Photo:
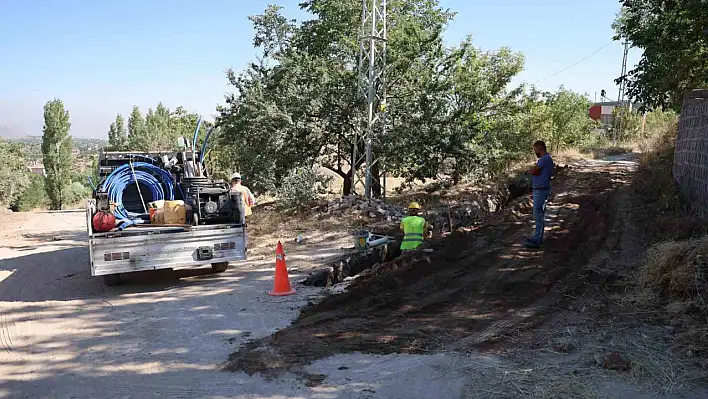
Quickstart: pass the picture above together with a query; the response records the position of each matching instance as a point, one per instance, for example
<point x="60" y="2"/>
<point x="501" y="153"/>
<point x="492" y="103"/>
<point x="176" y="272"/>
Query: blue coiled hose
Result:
<point x="157" y="180"/>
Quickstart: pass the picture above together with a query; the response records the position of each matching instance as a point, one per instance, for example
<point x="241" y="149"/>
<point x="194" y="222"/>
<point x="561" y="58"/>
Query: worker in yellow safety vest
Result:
<point x="414" y="228"/>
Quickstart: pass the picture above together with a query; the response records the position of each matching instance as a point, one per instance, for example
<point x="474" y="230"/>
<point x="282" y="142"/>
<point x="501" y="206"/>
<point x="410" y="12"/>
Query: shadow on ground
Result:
<point x="64" y="334"/>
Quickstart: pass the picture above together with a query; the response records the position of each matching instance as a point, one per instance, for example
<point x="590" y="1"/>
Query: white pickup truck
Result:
<point x="152" y="248"/>
<point x="212" y="239"/>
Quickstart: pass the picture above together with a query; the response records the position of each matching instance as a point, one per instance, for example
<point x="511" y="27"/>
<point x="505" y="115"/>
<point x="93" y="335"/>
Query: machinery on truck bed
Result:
<point x="160" y="210"/>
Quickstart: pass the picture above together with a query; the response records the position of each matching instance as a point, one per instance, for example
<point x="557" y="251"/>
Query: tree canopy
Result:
<point x="448" y="107"/>
<point x="673" y="35"/>
<point x="14" y="176"/>
<point x="117" y="135"/>
<point x="56" y="151"/>
<point x="158" y="130"/>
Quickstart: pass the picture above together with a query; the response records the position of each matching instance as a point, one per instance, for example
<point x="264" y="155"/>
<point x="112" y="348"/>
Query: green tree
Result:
<point x="302" y="103"/>
<point x="571" y="123"/>
<point x="626" y="124"/>
<point x="659" y="121"/>
<point x="157" y="124"/>
<point x="117" y="136"/>
<point x="182" y="124"/>
<point x="56" y="150"/>
<point x="138" y="139"/>
<point x="674" y="39"/>
<point x="34" y="196"/>
<point x="161" y="129"/>
<point x="14" y="175"/>
<point x="449" y="119"/>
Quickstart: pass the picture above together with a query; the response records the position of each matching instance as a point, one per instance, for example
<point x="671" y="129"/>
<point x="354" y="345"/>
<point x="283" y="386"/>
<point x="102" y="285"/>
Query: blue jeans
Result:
<point x="540" y="197"/>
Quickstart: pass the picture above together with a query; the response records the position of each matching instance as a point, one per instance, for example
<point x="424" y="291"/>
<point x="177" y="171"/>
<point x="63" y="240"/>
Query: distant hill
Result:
<point x="9" y="132"/>
<point x="86" y="146"/>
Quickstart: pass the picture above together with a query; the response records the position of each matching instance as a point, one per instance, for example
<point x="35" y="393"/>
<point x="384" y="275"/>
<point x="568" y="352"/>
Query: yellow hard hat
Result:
<point x="414" y="205"/>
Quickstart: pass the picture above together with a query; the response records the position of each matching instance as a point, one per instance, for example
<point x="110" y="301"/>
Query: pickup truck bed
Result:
<point x="154" y="247"/>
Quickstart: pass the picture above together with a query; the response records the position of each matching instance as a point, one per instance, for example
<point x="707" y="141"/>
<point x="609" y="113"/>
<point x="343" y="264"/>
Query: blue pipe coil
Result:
<point x="157" y="180"/>
<point x="127" y="223"/>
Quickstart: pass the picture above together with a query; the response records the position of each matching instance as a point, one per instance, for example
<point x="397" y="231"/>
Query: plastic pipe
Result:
<point x="196" y="132"/>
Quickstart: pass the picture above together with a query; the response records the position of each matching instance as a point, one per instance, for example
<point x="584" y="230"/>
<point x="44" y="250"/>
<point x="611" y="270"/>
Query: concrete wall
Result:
<point x="691" y="159"/>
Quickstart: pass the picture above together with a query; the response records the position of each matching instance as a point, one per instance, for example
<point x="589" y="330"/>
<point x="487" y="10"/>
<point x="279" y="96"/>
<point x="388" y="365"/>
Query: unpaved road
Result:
<point x="63" y="334"/>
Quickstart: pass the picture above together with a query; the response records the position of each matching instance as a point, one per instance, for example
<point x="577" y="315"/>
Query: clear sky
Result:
<point x="101" y="57"/>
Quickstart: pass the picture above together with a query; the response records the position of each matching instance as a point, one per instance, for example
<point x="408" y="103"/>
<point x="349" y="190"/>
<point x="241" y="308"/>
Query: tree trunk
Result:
<point x="456" y="176"/>
<point x="376" y="181"/>
<point x="346" y="177"/>
<point x="347" y="186"/>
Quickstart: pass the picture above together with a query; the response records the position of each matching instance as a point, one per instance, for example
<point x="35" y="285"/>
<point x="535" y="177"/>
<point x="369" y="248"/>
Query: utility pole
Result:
<point x="372" y="66"/>
<point x="620" y="95"/>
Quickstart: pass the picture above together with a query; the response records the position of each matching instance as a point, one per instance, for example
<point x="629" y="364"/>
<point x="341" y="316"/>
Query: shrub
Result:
<point x="675" y="271"/>
<point x="75" y="192"/>
<point x="299" y="187"/>
<point x="34" y="196"/>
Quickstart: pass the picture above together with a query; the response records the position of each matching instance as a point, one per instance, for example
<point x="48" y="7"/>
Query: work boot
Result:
<point x="530" y="243"/>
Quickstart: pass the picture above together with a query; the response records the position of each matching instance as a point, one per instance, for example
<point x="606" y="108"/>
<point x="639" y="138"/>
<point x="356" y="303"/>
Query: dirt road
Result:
<point x="63" y="334"/>
<point x="482" y="292"/>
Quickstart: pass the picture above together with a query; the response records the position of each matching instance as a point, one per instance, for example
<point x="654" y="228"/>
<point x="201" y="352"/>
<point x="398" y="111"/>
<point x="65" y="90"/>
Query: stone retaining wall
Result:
<point x="690" y="168"/>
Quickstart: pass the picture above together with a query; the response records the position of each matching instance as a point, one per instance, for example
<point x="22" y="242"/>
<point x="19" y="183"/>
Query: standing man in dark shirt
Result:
<point x="541" y="176"/>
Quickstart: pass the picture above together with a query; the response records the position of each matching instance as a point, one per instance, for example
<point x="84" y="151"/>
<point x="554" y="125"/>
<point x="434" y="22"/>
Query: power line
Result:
<point x="576" y="63"/>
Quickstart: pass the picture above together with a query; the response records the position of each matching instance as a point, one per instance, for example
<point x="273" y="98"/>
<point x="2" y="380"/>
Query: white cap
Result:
<point x="236" y="175"/>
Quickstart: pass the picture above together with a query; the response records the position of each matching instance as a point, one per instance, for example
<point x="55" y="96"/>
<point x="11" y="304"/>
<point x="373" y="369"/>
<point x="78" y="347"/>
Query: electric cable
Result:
<point x="157" y="180"/>
<point x="576" y="63"/>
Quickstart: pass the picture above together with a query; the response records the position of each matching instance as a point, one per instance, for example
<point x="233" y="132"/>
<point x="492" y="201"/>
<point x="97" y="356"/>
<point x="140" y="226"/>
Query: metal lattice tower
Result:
<point x="620" y="95"/>
<point x="372" y="66"/>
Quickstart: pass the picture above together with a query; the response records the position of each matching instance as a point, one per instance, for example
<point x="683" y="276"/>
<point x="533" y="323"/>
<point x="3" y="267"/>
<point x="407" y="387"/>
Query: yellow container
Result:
<point x="360" y="239"/>
<point x="175" y="212"/>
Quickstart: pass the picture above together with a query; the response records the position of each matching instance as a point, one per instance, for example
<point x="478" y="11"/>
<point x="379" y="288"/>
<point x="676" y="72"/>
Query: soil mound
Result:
<point x="474" y="288"/>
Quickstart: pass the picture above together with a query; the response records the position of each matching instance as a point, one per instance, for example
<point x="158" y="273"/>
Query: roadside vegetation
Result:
<point x="674" y="275"/>
<point x="452" y="113"/>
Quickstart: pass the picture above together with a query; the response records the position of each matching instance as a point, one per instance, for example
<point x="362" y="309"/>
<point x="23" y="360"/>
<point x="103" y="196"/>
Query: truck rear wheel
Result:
<point x="111" y="279"/>
<point x="220" y="267"/>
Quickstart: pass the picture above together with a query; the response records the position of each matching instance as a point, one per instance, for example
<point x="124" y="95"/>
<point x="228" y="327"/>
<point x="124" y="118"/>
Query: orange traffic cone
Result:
<point x="281" y="286"/>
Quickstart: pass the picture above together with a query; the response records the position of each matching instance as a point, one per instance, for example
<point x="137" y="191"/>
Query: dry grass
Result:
<point x="266" y="222"/>
<point x="573" y="154"/>
<point x="620" y="149"/>
<point x="655" y="367"/>
<point x="674" y="276"/>
<point x="529" y="376"/>
<point x="544" y="373"/>
<point x="679" y="269"/>
<point x="678" y="272"/>
<point x="655" y="186"/>
<point x="569" y="155"/>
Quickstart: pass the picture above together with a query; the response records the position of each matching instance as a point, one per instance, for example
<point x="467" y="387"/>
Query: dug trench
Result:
<point x="475" y="289"/>
<point x="468" y="214"/>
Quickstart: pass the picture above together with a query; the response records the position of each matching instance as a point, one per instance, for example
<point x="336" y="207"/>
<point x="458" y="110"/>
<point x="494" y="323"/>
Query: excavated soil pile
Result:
<point x="474" y="289"/>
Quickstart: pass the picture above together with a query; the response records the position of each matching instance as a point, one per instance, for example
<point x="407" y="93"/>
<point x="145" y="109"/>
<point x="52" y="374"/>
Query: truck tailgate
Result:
<point x="165" y="249"/>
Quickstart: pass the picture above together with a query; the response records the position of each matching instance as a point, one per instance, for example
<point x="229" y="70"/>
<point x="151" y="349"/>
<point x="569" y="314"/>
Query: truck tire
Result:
<point x="220" y="267"/>
<point x="111" y="279"/>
